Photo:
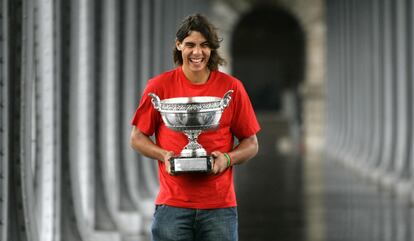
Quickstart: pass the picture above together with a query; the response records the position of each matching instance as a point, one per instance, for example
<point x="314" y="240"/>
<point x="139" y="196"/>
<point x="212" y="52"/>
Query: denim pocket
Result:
<point x="157" y="208"/>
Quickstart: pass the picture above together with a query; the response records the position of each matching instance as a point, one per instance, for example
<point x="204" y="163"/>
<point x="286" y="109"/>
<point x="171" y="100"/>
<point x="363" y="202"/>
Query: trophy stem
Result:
<point x="193" y="148"/>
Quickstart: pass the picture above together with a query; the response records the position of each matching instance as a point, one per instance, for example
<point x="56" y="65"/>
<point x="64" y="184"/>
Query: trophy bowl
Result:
<point x="192" y="115"/>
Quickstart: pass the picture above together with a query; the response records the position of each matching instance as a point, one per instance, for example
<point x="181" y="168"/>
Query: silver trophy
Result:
<point x="191" y="115"/>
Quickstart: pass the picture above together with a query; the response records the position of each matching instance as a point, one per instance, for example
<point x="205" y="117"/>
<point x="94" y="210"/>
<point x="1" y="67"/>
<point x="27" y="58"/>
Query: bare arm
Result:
<point x="245" y="150"/>
<point x="145" y="146"/>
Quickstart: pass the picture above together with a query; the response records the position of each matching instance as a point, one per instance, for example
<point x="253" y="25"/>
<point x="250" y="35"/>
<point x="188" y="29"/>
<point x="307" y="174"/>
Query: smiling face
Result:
<point x="195" y="52"/>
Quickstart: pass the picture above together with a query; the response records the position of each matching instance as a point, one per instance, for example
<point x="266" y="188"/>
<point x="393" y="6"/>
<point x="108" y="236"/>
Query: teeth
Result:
<point x="196" y="60"/>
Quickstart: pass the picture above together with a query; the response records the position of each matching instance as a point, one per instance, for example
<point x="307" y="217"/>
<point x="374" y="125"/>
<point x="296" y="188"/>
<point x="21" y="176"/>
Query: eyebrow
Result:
<point x="191" y="42"/>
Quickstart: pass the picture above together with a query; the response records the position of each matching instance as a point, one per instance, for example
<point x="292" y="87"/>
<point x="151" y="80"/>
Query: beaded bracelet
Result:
<point x="228" y="159"/>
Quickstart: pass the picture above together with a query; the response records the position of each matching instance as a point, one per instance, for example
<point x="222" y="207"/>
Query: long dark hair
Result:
<point x="199" y="23"/>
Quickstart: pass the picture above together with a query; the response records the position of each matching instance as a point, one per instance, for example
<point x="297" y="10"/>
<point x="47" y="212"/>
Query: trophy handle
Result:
<point x="226" y="99"/>
<point x="156" y="102"/>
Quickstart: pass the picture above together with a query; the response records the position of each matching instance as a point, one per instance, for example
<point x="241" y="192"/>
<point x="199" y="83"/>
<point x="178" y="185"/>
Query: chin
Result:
<point x="198" y="68"/>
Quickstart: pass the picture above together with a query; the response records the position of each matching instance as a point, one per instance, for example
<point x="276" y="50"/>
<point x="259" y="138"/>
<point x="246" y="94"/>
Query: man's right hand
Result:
<point x="166" y="160"/>
<point x="145" y="146"/>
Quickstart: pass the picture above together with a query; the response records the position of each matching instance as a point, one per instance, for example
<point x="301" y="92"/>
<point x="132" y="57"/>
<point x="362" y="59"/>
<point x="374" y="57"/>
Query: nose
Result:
<point x="197" y="49"/>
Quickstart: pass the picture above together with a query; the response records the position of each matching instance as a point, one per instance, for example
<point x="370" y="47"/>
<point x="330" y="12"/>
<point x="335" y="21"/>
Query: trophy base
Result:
<point x="202" y="164"/>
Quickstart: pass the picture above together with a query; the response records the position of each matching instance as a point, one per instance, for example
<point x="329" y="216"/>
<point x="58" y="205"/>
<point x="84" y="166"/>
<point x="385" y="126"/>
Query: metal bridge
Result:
<point x="331" y="81"/>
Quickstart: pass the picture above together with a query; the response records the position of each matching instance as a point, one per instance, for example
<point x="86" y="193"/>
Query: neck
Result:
<point x="197" y="77"/>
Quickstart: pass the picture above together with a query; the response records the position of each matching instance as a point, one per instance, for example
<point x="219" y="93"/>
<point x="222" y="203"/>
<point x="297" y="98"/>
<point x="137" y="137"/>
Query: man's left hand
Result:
<point x="220" y="162"/>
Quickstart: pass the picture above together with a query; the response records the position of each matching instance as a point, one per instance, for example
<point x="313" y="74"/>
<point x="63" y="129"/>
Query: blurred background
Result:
<point x="331" y="82"/>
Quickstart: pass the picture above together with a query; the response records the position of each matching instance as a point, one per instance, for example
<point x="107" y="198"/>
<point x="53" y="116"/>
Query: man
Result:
<point x="196" y="206"/>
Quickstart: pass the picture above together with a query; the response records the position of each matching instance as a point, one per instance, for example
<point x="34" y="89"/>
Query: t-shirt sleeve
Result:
<point x="146" y="117"/>
<point x="244" y="122"/>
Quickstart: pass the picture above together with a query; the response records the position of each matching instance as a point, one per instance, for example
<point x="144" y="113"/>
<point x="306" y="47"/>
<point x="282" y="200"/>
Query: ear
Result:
<point x="178" y="45"/>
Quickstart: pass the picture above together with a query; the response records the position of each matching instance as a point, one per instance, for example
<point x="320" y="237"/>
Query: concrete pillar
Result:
<point x="401" y="173"/>
<point x="376" y="86"/>
<point x="369" y="90"/>
<point x="357" y="92"/>
<point x="365" y="69"/>
<point x="410" y="73"/>
<point x="348" y="79"/>
<point x="337" y="78"/>
<point x="90" y="211"/>
<point x="389" y="92"/>
<point x="131" y="88"/>
<point x="147" y="166"/>
<point x="4" y="124"/>
<point x="109" y="121"/>
<point x="48" y="123"/>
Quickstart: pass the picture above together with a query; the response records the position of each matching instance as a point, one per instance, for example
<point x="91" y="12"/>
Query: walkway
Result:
<point x="283" y="198"/>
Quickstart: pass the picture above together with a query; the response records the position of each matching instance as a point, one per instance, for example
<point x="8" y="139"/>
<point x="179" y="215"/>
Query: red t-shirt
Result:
<point x="202" y="191"/>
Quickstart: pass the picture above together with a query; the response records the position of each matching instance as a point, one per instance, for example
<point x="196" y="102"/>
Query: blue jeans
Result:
<point x="184" y="224"/>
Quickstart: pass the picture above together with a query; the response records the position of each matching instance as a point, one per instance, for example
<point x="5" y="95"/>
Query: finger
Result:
<point x="215" y="168"/>
<point x="169" y="155"/>
<point x="168" y="166"/>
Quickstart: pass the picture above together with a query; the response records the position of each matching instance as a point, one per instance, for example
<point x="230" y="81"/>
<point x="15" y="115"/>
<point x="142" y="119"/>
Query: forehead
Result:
<point x="194" y="36"/>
